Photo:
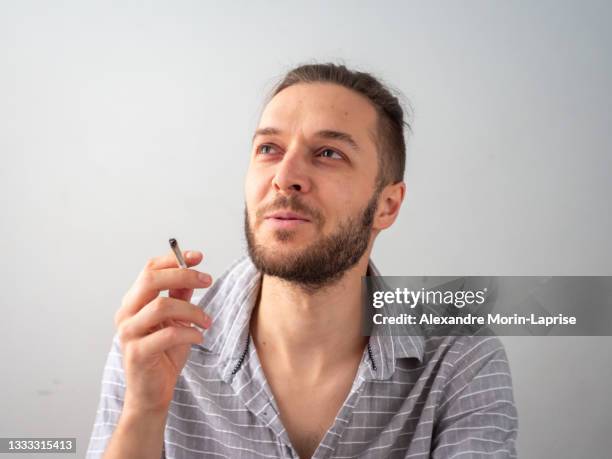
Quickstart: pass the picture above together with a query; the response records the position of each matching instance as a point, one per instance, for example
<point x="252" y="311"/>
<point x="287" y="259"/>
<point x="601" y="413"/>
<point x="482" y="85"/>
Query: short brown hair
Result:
<point x="390" y="126"/>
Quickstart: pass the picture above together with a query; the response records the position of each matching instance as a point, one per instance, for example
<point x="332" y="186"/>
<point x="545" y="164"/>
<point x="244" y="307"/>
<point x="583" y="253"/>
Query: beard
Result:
<point x="321" y="263"/>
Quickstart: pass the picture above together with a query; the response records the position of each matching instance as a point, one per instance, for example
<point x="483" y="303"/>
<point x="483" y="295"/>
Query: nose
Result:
<point x="291" y="174"/>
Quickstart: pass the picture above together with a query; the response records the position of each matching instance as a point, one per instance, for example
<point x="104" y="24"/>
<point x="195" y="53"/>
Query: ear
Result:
<point x="389" y="203"/>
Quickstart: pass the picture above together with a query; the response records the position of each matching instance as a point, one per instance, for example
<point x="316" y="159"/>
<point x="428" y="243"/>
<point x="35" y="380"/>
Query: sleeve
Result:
<point x="477" y="416"/>
<point x="110" y="404"/>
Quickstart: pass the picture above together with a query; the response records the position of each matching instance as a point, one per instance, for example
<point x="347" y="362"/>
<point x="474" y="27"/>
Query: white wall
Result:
<point x="121" y="126"/>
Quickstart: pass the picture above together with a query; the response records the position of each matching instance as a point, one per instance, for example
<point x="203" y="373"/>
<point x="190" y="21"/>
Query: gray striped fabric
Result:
<point x="413" y="396"/>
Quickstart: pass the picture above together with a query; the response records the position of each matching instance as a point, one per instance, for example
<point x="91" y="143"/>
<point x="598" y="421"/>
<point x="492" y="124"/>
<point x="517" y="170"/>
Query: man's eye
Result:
<point x="263" y="150"/>
<point x="333" y="151"/>
<point x="260" y="149"/>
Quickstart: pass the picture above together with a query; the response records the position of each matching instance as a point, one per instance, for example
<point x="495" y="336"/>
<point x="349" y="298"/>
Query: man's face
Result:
<point x="326" y="180"/>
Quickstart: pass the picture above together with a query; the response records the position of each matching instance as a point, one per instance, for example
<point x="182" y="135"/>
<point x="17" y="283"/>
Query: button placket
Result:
<point x="344" y="416"/>
<point x="257" y="396"/>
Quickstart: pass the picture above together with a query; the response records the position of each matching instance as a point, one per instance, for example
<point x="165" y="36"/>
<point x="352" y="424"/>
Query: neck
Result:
<point x="309" y="333"/>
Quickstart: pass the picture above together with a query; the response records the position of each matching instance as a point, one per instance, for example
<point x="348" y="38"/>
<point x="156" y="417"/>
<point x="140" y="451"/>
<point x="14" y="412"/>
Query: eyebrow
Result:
<point x="325" y="134"/>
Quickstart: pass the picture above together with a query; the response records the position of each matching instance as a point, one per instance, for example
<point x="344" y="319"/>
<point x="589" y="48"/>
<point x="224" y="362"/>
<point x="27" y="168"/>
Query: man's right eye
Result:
<point x="262" y="148"/>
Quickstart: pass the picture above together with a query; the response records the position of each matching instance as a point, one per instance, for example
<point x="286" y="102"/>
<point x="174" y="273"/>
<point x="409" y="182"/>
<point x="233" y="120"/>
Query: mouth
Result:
<point x="286" y="216"/>
<point x="285" y="220"/>
<point x="287" y="223"/>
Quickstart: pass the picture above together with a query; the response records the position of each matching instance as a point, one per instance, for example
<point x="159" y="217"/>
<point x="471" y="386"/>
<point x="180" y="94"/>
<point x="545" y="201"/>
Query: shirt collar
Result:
<point x="231" y="299"/>
<point x="387" y="347"/>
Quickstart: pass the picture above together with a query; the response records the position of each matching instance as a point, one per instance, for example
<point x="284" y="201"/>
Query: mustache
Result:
<point x="292" y="204"/>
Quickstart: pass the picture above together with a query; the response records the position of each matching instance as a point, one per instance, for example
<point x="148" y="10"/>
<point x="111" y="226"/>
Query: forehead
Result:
<point x="311" y="107"/>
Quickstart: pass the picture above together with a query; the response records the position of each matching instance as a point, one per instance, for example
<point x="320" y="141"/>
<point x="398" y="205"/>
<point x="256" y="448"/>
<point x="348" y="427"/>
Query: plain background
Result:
<point x="124" y="124"/>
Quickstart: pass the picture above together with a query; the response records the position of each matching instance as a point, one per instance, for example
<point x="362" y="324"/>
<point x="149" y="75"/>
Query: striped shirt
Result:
<point x="412" y="397"/>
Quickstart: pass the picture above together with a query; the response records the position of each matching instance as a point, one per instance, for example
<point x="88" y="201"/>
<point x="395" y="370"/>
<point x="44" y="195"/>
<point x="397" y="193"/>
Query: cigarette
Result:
<point x="181" y="262"/>
<point x="177" y="253"/>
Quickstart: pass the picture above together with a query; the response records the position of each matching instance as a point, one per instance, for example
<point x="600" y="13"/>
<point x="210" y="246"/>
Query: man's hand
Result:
<point x="155" y="332"/>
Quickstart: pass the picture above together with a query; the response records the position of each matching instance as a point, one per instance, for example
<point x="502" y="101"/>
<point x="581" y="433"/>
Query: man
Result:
<point x="283" y="369"/>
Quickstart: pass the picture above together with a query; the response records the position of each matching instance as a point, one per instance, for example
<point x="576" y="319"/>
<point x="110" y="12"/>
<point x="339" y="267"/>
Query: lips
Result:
<point x="284" y="215"/>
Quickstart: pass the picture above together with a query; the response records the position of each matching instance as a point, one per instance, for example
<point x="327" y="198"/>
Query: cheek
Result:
<point x="344" y="199"/>
<point x="252" y="188"/>
<point x="349" y="206"/>
<point x="255" y="190"/>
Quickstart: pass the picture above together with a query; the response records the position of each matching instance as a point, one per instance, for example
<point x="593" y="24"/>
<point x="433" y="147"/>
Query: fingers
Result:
<point x="172" y="278"/>
<point x="160" y="341"/>
<point x="159" y="275"/>
<point x="157" y="312"/>
<point x="192" y="258"/>
<point x="184" y="294"/>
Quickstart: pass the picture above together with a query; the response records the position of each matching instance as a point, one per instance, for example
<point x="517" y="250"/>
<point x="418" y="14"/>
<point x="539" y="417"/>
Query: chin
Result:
<point x="282" y="243"/>
<point x="281" y="238"/>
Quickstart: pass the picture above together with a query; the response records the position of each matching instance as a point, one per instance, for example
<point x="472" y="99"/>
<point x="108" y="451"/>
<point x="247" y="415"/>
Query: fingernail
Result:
<point x="205" y="278"/>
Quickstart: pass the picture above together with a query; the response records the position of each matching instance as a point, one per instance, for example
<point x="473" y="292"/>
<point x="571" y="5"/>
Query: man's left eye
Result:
<point x="332" y="151"/>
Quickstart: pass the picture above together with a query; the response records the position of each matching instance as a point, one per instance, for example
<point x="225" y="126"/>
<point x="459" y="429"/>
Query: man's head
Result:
<point x="329" y="148"/>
